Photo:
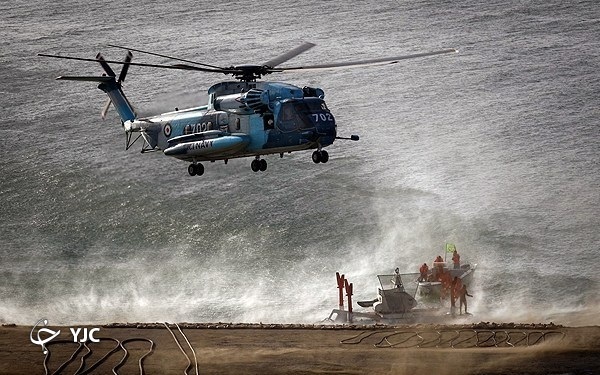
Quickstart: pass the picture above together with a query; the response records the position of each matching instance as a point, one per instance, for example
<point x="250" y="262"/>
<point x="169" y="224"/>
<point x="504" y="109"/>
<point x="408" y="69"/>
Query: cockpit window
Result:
<point x="297" y="114"/>
<point x="311" y="106"/>
<point x="287" y="112"/>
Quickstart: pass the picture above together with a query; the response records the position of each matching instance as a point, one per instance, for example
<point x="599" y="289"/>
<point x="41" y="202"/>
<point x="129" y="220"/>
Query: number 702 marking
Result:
<point x="322" y="117"/>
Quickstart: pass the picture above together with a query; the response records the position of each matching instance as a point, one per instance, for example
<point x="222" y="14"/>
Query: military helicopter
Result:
<point x="243" y="118"/>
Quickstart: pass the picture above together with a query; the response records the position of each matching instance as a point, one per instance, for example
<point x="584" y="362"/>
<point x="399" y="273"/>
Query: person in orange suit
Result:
<point x="456" y="260"/>
<point x="455" y="289"/>
<point x="438" y="264"/>
<point x="423" y="270"/>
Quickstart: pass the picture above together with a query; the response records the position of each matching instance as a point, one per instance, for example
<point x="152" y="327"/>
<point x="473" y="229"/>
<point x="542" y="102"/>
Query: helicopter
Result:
<point x="243" y="118"/>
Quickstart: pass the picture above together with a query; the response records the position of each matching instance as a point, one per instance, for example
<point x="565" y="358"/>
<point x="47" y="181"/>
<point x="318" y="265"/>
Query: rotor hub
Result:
<point x="249" y="73"/>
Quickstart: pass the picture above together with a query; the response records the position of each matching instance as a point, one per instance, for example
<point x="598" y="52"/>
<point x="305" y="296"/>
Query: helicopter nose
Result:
<point x="325" y="128"/>
<point x="325" y="124"/>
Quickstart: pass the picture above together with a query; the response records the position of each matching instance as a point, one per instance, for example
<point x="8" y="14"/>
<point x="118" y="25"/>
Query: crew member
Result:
<point x="453" y="295"/>
<point x="397" y="280"/>
<point x="438" y="264"/>
<point x="463" y="298"/>
<point x="424" y="270"/>
<point x="446" y="279"/>
<point x="455" y="289"/>
<point x="456" y="259"/>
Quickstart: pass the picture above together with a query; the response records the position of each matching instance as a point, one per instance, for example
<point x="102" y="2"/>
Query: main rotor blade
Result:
<point x="178" y="67"/>
<point x="127" y="61"/>
<point x="231" y="70"/>
<point x="105" y="66"/>
<point x="383" y="60"/>
<point x="104" y="78"/>
<point x="289" y="54"/>
<point x="164" y="56"/>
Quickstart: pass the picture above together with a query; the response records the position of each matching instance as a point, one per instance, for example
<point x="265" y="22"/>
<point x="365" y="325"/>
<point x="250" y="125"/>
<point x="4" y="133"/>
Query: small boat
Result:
<point x="392" y="298"/>
<point x="408" y="297"/>
<point x="395" y="304"/>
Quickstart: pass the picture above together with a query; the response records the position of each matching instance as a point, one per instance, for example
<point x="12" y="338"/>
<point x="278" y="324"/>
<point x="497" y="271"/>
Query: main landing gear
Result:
<point x="320" y="156"/>
<point x="258" y="165"/>
<point x="196" y="169"/>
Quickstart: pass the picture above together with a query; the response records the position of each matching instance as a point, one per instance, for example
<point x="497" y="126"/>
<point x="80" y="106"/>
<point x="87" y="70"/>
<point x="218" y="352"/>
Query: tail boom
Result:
<point x="122" y="105"/>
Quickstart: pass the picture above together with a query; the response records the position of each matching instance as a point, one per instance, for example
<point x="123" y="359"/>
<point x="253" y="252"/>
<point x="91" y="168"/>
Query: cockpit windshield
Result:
<point x="311" y="106"/>
<point x="290" y="109"/>
<point x="296" y="114"/>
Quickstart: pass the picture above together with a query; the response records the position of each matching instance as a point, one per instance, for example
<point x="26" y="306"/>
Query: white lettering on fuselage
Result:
<point x="322" y="117"/>
<point x="199" y="145"/>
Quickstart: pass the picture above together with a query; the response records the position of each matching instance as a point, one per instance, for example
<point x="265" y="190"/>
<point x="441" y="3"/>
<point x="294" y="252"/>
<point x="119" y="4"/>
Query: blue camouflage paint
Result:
<point x="206" y="147"/>
<point x="240" y="120"/>
<point x="118" y="99"/>
<point x="301" y="121"/>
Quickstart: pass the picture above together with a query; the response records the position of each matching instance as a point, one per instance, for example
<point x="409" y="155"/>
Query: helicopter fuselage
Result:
<point x="242" y="119"/>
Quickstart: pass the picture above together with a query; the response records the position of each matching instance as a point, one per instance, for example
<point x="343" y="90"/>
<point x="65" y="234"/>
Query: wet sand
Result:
<point x="299" y="349"/>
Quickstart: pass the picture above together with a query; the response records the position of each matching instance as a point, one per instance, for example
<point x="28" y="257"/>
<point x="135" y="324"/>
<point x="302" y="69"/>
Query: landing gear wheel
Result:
<point x="199" y="169"/>
<point x="255" y="165"/>
<point x="259" y="165"/>
<point x="196" y="169"/>
<point x="316" y="157"/>
<point x="324" y="156"/>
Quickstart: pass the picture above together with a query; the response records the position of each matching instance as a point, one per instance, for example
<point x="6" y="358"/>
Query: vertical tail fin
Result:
<point x="112" y="87"/>
<point x="118" y="99"/>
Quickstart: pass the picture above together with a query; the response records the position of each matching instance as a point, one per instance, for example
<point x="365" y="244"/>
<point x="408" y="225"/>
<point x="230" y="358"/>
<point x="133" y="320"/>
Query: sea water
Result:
<point x="495" y="149"/>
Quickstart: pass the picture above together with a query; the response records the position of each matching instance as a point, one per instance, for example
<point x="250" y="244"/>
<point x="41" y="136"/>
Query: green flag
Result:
<point x="450" y="248"/>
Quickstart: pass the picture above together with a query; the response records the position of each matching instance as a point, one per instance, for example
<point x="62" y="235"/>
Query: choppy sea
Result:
<point x="495" y="149"/>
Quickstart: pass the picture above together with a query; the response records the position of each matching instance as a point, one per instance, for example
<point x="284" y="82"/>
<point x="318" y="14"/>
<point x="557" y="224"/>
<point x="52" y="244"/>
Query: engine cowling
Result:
<point x="255" y="100"/>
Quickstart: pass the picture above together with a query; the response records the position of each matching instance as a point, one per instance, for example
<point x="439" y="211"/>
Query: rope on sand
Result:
<point x="191" y="348"/>
<point x="126" y="354"/>
<point x="82" y="370"/>
<point x="119" y="346"/>
<point x="185" y="372"/>
<point x="464" y="338"/>
<point x="66" y="363"/>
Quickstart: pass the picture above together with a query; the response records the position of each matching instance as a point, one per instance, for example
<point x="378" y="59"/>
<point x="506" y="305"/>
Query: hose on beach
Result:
<point x="82" y="370"/>
<point x="183" y="351"/>
<point x="120" y="345"/>
<point x="456" y="339"/>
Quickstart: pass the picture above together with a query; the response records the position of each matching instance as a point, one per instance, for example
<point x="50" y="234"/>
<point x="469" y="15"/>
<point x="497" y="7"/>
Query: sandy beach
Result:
<point x="484" y="348"/>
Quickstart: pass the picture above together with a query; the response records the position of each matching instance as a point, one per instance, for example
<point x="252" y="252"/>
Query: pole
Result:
<point x="445" y="252"/>
<point x="340" y="282"/>
<point x="349" y="287"/>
